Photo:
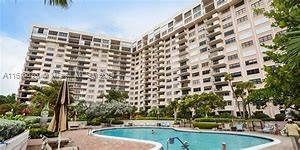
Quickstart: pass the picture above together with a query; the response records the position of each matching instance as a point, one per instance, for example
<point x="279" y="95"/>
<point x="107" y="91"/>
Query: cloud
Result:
<point x="12" y="58"/>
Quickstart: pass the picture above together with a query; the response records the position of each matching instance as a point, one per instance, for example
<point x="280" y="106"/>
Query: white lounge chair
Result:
<point x="239" y="127"/>
<point x="226" y="127"/>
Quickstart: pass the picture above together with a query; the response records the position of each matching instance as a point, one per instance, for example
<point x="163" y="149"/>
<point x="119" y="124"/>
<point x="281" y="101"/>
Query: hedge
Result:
<point x="117" y="122"/>
<point x="10" y="128"/>
<point x="222" y="120"/>
<point x="153" y="118"/>
<point x="35" y="133"/>
<point x="205" y="125"/>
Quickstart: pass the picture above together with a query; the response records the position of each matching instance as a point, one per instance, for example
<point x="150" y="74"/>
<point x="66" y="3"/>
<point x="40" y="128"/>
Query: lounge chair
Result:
<point x="226" y="127"/>
<point x="239" y="127"/>
<point x="268" y="129"/>
<point x="46" y="146"/>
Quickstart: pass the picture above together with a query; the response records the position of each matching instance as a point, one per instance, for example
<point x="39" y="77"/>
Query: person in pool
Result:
<point x="153" y="132"/>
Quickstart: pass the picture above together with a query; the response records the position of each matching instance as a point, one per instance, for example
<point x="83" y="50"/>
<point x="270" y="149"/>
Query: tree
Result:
<point x="207" y="102"/>
<point x="229" y="79"/>
<point x="115" y="95"/>
<point x="11" y="98"/>
<point x="9" y="103"/>
<point x="242" y="90"/>
<point x="283" y="79"/>
<point x="61" y="3"/>
<point x="174" y="106"/>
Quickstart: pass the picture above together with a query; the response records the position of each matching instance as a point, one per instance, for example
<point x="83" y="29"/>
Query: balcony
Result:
<point x="219" y="80"/>
<point x="218" y="63"/>
<point x="181" y="40"/>
<point x="217" y="55"/>
<point x="217" y="47"/>
<point x="218" y="72"/>
<point x="181" y="34"/>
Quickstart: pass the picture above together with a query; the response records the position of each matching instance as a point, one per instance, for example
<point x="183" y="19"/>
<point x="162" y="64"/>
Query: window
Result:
<point x="206" y="80"/>
<point x="235" y="65"/>
<point x="205" y="72"/>
<point x="195" y="67"/>
<point x="53" y="33"/>
<point x="49" y="54"/>
<point x="48" y="59"/>
<point x="219" y="2"/>
<point x="241" y="11"/>
<point x="266" y="58"/>
<point x="250" y="62"/>
<point x="257" y="4"/>
<point x="195" y="74"/>
<point x="242" y="19"/>
<point x="47" y="65"/>
<point x="63" y="34"/>
<point x="232" y="57"/>
<point x="196" y="82"/>
<point x="41" y="30"/>
<point x="202" y="43"/>
<point x="202" y="50"/>
<point x="228" y="33"/>
<point x="256" y="81"/>
<point x="226" y="18"/>
<point x="97" y="40"/>
<point x="204" y="64"/>
<point x="201" y="36"/>
<point x="227" y="25"/>
<point x="197" y="89"/>
<point x="229" y="41"/>
<point x="236" y="74"/>
<point x="247" y="44"/>
<point x="252" y="71"/>
<point x="265" y="38"/>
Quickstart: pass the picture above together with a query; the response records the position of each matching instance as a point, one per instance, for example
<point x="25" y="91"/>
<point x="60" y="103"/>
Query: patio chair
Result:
<point x="268" y="129"/>
<point x="226" y="127"/>
<point x="46" y="145"/>
<point x="239" y="127"/>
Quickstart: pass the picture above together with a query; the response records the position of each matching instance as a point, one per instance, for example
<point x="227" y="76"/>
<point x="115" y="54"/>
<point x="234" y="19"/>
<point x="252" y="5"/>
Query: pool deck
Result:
<point x="85" y="141"/>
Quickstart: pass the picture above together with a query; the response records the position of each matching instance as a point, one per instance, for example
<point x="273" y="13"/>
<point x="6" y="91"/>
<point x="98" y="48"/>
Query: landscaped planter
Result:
<point x="18" y="142"/>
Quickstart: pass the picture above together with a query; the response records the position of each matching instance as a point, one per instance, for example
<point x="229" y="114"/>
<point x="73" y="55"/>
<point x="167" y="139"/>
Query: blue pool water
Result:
<point x="196" y="140"/>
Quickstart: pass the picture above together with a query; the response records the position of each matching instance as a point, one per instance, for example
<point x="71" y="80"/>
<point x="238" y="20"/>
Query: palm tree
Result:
<point x="229" y="79"/>
<point x="174" y="105"/>
<point x="242" y="90"/>
<point x="61" y="3"/>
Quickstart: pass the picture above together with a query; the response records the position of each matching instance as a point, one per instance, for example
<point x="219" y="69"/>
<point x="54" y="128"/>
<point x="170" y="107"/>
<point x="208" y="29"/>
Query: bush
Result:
<point x="94" y="122"/>
<point x="117" y="122"/>
<point x="205" y="125"/>
<point x="153" y="118"/>
<point x="35" y="133"/>
<point x="223" y="115"/>
<point x="10" y="128"/>
<point x="222" y="120"/>
<point x="260" y="115"/>
<point x="279" y="117"/>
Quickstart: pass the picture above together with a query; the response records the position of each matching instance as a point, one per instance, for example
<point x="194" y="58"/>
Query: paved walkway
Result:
<point x="87" y="142"/>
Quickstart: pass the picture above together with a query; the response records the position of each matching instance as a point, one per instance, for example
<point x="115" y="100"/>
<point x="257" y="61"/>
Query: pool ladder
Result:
<point x="185" y="144"/>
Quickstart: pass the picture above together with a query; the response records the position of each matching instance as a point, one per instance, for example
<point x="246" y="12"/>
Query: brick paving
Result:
<point x="88" y="142"/>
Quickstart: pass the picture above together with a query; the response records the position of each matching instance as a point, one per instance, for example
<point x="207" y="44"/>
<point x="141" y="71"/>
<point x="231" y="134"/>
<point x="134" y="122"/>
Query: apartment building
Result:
<point x="189" y="53"/>
<point x="92" y="64"/>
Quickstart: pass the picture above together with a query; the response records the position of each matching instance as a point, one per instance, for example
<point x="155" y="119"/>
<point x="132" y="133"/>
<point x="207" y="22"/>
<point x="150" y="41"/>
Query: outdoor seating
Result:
<point x="268" y="129"/>
<point x="226" y="127"/>
<point x="51" y="143"/>
<point x="239" y="127"/>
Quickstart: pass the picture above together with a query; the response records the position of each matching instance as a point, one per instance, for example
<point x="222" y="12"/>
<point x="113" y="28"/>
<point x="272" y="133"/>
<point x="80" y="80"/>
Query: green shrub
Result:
<point x="10" y="128"/>
<point x="153" y="118"/>
<point x="280" y="117"/>
<point x="222" y="120"/>
<point x="223" y="115"/>
<point x="117" y="122"/>
<point x="35" y="133"/>
<point x="260" y="115"/>
<point x="205" y="125"/>
<point x="94" y="122"/>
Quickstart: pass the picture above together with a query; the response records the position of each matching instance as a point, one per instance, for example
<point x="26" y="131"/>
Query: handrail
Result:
<point x="185" y="144"/>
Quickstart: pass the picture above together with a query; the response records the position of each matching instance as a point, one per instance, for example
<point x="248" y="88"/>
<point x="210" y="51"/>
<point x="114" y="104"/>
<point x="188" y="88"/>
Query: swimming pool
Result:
<point x="196" y="140"/>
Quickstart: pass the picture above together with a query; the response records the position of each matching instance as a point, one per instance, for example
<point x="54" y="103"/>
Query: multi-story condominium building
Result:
<point x="191" y="53"/>
<point x="188" y="54"/>
<point x="93" y="64"/>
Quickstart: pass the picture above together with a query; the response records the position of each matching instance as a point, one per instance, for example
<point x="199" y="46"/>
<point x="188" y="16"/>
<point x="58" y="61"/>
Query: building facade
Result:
<point x="188" y="54"/>
<point x="92" y="64"/>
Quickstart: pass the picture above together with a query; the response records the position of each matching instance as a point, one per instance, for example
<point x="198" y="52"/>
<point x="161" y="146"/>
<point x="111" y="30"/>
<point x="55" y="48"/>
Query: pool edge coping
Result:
<point x="158" y="146"/>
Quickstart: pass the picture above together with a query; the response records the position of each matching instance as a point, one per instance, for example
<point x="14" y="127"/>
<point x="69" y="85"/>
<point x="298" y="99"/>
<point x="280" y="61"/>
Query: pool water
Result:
<point x="196" y="140"/>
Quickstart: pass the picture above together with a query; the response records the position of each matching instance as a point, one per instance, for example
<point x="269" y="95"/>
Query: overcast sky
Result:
<point x="122" y="18"/>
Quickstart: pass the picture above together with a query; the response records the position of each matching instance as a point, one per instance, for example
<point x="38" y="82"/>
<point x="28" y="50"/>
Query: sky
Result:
<point x="121" y="18"/>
